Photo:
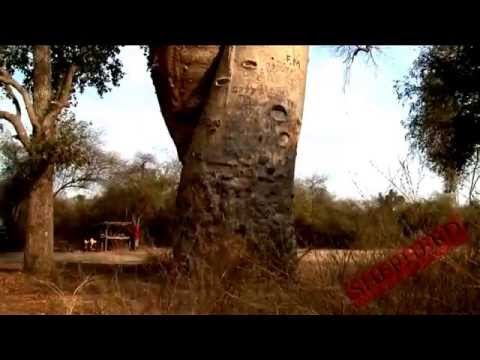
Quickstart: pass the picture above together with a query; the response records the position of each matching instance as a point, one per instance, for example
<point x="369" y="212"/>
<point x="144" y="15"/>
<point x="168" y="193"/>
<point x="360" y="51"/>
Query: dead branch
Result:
<point x="350" y="52"/>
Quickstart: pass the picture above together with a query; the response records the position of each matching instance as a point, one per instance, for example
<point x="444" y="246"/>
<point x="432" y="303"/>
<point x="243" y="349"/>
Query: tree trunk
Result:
<point x="38" y="255"/>
<point x="39" y="234"/>
<point x="234" y="113"/>
<point x="451" y="186"/>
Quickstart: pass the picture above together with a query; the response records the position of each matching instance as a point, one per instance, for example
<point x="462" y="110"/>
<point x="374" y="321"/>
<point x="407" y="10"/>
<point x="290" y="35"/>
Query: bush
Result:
<point x="384" y="221"/>
<point x="141" y="188"/>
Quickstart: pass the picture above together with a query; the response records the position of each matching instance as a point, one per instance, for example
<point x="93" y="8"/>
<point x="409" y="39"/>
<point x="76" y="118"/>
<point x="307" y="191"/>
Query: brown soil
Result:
<point x="85" y="288"/>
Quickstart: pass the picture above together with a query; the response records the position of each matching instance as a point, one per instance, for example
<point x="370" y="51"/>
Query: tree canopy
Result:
<point x="98" y="66"/>
<point x="76" y="152"/>
<point x="443" y="94"/>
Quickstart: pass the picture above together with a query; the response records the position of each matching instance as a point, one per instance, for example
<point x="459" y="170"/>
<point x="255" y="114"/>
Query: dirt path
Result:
<point x="14" y="260"/>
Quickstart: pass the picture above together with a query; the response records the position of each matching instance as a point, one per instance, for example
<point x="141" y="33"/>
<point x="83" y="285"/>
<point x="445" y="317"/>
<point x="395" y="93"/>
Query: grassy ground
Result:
<point x="450" y="286"/>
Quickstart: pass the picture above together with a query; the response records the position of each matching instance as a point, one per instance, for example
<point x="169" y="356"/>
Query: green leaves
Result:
<point x="99" y="66"/>
<point x="16" y="58"/>
<point x="443" y="93"/>
<point x="68" y="144"/>
<point x="74" y="145"/>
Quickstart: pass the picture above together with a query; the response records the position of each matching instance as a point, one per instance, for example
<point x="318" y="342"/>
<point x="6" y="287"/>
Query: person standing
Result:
<point x="136" y="236"/>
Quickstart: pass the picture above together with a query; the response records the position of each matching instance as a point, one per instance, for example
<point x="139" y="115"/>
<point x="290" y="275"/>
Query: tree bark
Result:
<point x="38" y="254"/>
<point x="451" y="186"/>
<point x="39" y="229"/>
<point x="234" y="113"/>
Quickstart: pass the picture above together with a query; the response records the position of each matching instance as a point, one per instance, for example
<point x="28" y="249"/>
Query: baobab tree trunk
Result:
<point x="38" y="254"/>
<point x="234" y="113"/>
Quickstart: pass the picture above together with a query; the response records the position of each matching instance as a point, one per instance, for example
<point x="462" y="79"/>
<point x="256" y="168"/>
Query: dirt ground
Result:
<point x="24" y="294"/>
<point x="113" y="293"/>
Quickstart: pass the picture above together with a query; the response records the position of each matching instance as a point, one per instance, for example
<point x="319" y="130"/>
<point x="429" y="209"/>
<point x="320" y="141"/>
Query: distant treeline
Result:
<point x="147" y="188"/>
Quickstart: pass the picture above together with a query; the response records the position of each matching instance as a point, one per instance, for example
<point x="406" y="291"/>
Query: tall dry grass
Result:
<point x="449" y="286"/>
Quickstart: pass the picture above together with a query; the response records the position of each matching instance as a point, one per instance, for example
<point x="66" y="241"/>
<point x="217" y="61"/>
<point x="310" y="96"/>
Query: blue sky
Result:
<point x="343" y="131"/>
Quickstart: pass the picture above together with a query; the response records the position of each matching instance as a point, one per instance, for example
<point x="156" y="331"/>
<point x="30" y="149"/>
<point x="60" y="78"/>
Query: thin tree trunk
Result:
<point x="474" y="177"/>
<point x="235" y="116"/>
<point x="38" y="255"/>
<point x="451" y="187"/>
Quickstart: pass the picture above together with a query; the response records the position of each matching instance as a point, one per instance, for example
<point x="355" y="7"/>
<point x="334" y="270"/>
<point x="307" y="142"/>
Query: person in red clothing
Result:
<point x="136" y="236"/>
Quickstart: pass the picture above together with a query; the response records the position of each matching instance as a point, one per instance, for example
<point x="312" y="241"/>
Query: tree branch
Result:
<point x="62" y="97"/>
<point x="79" y="183"/>
<point x="19" y="128"/>
<point x="475" y="177"/>
<point x="14" y="99"/>
<point x="64" y="186"/>
<point x="7" y="79"/>
<point x="349" y="53"/>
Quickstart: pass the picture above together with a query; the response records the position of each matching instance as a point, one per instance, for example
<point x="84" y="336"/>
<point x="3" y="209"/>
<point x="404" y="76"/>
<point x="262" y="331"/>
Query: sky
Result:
<point x="353" y="135"/>
<point x="349" y="135"/>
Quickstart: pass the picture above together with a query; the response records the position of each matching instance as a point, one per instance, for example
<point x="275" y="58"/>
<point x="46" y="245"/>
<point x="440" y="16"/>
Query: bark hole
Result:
<point x="284" y="139"/>
<point x="249" y="64"/>
<point x="222" y="81"/>
<point x="279" y="113"/>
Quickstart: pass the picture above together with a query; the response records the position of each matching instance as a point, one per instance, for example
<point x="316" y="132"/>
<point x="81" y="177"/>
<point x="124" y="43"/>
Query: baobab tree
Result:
<point x="51" y="77"/>
<point x="234" y="114"/>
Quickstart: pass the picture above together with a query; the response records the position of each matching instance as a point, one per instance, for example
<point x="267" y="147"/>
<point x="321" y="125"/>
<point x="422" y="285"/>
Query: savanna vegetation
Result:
<point x="90" y="185"/>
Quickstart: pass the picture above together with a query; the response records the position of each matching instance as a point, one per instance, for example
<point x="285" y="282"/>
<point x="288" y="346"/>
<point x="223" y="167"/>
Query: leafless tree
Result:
<point x="404" y="181"/>
<point x="96" y="170"/>
<point x="350" y="52"/>
<point x="471" y="180"/>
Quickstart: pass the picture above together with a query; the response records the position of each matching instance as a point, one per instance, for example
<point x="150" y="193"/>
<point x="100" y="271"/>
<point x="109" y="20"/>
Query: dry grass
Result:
<point x="450" y="286"/>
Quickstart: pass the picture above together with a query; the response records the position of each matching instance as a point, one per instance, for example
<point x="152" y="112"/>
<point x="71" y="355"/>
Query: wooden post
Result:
<point x="106" y="238"/>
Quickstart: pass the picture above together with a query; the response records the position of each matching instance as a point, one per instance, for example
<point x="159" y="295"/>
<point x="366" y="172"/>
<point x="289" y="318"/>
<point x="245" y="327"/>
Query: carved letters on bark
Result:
<point x="237" y="139"/>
